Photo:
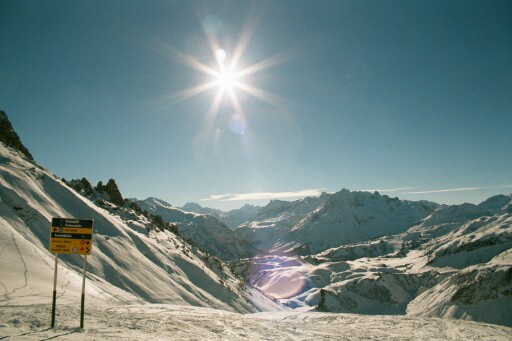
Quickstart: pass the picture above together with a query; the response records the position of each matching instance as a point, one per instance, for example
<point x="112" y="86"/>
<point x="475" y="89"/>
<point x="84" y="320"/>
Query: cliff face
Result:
<point x="9" y="136"/>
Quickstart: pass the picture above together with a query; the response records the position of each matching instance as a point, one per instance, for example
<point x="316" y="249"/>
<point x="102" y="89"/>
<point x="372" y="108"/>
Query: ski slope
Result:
<point x="175" y="322"/>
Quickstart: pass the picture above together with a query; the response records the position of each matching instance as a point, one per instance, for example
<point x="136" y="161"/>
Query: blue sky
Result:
<point x="411" y="98"/>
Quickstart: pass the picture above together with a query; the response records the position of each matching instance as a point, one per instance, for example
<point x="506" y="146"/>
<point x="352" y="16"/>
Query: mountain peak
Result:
<point x="196" y="208"/>
<point x="9" y="136"/>
<point x="157" y="201"/>
<point x="191" y="206"/>
<point x="497" y="202"/>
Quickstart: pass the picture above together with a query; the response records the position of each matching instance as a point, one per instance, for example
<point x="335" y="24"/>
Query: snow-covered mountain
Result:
<point x="368" y="254"/>
<point x="312" y="225"/>
<point x="231" y="219"/>
<point x="480" y="292"/>
<point x="455" y="262"/>
<point x="237" y="217"/>
<point x="365" y="253"/>
<point x="133" y="259"/>
<point x="196" y="208"/>
<point x="203" y="230"/>
<point x="275" y="220"/>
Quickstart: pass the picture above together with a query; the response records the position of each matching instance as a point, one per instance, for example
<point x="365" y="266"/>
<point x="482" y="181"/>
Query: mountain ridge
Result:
<point x="431" y="260"/>
<point x="128" y="248"/>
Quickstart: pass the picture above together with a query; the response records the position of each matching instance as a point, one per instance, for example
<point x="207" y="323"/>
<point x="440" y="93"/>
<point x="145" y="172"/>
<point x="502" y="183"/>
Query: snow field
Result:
<point x="173" y="322"/>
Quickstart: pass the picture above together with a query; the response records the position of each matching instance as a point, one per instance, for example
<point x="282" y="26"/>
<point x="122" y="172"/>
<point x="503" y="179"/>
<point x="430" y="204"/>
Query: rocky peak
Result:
<point x="81" y="186"/>
<point x="113" y="192"/>
<point x="9" y="136"/>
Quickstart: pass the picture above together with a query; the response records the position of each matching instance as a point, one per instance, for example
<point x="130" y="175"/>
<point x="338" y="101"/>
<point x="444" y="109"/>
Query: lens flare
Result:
<point x="237" y="124"/>
<point x="220" y="54"/>
<point x="278" y="276"/>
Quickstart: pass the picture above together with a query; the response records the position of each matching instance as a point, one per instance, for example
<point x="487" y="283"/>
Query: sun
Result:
<point x="226" y="76"/>
<point x="227" y="79"/>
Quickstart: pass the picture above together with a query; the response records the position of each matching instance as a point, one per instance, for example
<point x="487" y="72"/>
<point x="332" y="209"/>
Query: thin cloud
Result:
<point x="400" y="189"/>
<point x="264" y="195"/>
<point x="217" y="197"/>
<point x="460" y="189"/>
<point x="318" y="191"/>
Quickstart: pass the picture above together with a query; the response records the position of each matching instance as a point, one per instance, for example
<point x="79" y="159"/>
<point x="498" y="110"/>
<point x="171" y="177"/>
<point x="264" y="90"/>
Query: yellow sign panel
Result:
<point x="71" y="236"/>
<point x="74" y="230"/>
<point x="70" y="246"/>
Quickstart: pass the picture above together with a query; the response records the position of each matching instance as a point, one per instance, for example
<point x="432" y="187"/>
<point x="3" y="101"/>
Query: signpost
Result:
<point x="70" y="236"/>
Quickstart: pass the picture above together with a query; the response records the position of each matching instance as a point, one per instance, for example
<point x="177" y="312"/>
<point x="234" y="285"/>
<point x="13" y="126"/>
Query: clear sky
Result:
<point x="411" y="98"/>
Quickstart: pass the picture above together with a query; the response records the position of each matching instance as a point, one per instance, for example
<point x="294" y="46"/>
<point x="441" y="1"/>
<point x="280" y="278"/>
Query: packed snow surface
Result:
<point x="174" y="322"/>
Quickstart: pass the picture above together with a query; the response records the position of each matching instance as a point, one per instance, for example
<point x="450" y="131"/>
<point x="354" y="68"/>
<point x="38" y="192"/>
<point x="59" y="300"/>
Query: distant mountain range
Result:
<point x="352" y="252"/>
<point x="202" y="230"/>
<point x="367" y="253"/>
<point x="231" y="219"/>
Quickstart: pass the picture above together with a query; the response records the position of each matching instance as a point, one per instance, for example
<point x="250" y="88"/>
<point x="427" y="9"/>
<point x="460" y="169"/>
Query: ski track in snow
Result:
<point x="6" y="290"/>
<point x="64" y="286"/>
<point x="172" y="322"/>
<point x="25" y="270"/>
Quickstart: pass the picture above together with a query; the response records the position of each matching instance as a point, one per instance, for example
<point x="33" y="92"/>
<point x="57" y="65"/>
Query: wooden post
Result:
<point x="83" y="294"/>
<point x="54" y="289"/>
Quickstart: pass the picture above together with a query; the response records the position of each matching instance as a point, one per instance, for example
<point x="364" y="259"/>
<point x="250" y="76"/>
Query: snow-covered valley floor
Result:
<point x="173" y="322"/>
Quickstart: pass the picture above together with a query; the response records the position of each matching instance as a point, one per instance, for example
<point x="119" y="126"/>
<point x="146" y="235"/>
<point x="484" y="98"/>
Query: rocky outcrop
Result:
<point x="113" y="192"/>
<point x="10" y="138"/>
<point x="82" y="186"/>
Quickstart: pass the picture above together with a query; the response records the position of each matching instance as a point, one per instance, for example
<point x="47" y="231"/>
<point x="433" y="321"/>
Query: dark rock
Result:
<point x="10" y="138"/>
<point x="100" y="188"/>
<point x="113" y="192"/>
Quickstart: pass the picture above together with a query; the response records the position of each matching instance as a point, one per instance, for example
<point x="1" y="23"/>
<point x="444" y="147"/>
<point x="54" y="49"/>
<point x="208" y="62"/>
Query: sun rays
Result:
<point x="224" y="74"/>
<point x="223" y="84"/>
